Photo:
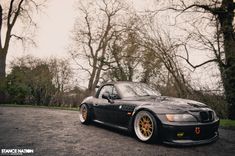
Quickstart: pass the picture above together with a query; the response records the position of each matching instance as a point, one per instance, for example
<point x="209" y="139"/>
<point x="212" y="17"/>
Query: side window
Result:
<point x="110" y="89"/>
<point x="114" y="94"/>
<point x="106" y="89"/>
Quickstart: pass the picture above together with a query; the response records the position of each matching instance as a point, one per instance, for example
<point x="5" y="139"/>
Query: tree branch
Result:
<point x="17" y="37"/>
<point x="81" y="67"/>
<point x="205" y="7"/>
<point x="11" y="24"/>
<point x="16" y="13"/>
<point x="89" y="35"/>
<point x="188" y="61"/>
<point x="10" y="13"/>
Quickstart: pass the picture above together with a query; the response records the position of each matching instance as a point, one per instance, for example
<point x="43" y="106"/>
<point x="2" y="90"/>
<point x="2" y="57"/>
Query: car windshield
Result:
<point x="136" y="90"/>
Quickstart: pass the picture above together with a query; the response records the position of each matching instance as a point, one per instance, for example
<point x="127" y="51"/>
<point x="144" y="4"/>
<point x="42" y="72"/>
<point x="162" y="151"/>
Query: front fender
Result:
<point x="87" y="100"/>
<point x="142" y="107"/>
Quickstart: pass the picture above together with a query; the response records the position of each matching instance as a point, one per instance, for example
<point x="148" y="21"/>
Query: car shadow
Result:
<point x="112" y="129"/>
<point x="122" y="132"/>
<point x="128" y="134"/>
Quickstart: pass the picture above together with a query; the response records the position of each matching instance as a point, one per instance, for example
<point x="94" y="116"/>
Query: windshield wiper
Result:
<point x="145" y="95"/>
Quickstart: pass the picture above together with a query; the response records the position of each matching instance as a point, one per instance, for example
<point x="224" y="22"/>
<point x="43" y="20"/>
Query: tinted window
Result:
<point x="110" y="89"/>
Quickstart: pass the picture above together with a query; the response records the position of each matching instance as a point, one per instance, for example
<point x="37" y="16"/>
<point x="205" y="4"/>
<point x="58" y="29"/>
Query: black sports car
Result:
<point x="143" y="111"/>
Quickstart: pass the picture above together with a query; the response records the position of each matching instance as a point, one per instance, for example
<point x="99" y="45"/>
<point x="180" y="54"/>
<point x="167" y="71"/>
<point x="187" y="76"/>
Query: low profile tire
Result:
<point x="84" y="114"/>
<point x="145" y="127"/>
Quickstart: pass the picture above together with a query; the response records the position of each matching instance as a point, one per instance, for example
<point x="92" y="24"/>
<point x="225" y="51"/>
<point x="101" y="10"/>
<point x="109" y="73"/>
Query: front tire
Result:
<point x="145" y="126"/>
<point x="84" y="114"/>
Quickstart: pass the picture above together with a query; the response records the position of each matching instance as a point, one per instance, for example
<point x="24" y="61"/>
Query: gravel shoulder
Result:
<point x="59" y="132"/>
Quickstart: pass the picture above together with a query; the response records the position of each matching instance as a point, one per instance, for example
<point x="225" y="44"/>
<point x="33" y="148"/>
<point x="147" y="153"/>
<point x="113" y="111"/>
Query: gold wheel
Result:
<point x="83" y="115"/>
<point x="144" y="126"/>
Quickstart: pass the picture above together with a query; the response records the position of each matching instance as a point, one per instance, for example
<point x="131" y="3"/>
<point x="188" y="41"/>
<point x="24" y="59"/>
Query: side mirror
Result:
<point x="107" y="97"/>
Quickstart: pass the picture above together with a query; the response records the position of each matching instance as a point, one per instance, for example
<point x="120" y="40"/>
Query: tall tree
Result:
<point x="223" y="12"/>
<point x="125" y="55"/>
<point x="92" y="38"/>
<point x="62" y="73"/>
<point x="11" y="12"/>
<point x="161" y="48"/>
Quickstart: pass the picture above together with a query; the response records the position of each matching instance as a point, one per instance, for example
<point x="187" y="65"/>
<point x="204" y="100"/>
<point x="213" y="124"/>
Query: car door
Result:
<point x="117" y="114"/>
<point x="113" y="111"/>
<point x="100" y="104"/>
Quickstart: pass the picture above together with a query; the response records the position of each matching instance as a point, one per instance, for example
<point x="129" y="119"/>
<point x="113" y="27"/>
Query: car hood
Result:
<point x="164" y="104"/>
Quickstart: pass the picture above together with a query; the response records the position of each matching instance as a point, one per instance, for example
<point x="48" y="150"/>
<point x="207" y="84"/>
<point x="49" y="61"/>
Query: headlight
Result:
<point x="180" y="118"/>
<point x="215" y="115"/>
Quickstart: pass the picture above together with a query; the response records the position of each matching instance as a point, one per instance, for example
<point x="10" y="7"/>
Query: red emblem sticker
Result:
<point x="197" y="130"/>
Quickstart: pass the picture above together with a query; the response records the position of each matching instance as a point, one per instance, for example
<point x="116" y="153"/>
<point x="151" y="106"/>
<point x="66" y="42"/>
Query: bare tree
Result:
<point x="11" y="12"/>
<point x="144" y="51"/>
<point x="159" y="57"/>
<point x="62" y="75"/>
<point x="125" y="55"/>
<point x="222" y="12"/>
<point x="95" y="34"/>
<point x="162" y="49"/>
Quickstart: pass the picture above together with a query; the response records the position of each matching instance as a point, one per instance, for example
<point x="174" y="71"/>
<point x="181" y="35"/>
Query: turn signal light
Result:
<point x="180" y="134"/>
<point x="129" y="113"/>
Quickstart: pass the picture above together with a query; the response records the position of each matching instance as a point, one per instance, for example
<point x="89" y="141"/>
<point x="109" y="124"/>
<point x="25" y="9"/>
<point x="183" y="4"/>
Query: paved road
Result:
<point x="59" y="132"/>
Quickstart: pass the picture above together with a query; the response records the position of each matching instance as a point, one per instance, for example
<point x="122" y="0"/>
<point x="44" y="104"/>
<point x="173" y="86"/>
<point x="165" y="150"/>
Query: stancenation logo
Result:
<point x="16" y="151"/>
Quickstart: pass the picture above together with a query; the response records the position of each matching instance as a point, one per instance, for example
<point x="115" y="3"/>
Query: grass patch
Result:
<point x="225" y="123"/>
<point x="36" y="106"/>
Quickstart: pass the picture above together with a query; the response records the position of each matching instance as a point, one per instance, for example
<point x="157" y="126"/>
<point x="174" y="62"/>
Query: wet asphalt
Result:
<point x="52" y="132"/>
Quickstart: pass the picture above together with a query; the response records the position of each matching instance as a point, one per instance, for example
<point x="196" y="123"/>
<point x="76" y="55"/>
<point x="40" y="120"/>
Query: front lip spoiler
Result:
<point x="192" y="142"/>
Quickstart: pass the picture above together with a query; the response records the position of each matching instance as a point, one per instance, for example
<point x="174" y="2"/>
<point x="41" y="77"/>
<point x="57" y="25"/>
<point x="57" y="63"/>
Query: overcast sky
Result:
<point x="53" y="33"/>
<point x="54" y="29"/>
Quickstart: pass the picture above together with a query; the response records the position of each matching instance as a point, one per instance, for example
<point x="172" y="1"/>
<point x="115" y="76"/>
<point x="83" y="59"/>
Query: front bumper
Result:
<point x="188" y="135"/>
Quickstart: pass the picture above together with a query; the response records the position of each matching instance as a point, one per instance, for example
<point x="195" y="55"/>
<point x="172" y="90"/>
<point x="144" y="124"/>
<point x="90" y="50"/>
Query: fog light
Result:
<point x="180" y="134"/>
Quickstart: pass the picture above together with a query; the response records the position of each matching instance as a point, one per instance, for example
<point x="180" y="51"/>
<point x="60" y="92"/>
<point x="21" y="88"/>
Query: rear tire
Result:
<point x="84" y="114"/>
<point x="145" y="127"/>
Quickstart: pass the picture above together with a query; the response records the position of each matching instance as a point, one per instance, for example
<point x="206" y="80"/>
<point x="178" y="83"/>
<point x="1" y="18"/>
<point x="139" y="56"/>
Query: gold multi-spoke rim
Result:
<point x="146" y="126"/>
<point x="84" y="113"/>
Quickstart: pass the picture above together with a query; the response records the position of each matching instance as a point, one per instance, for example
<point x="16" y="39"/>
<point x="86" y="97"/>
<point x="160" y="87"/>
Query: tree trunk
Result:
<point x="229" y="87"/>
<point x="146" y="75"/>
<point x="228" y="75"/>
<point x="2" y="77"/>
<point x="2" y="64"/>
